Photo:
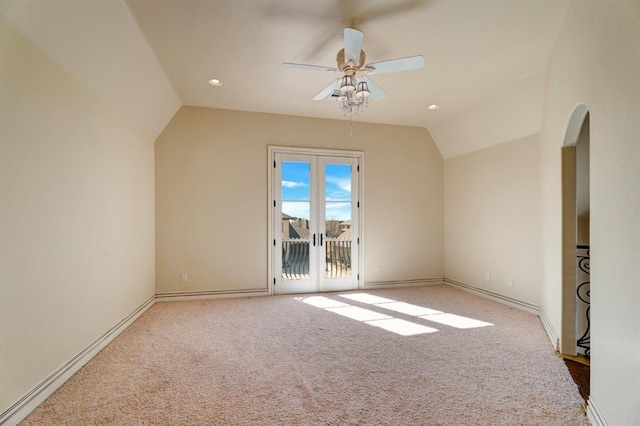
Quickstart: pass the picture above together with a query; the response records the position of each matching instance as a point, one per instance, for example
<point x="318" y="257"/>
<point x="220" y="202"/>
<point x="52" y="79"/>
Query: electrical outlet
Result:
<point x="510" y="282"/>
<point x="183" y="278"/>
<point x="376" y="270"/>
<point x="487" y="276"/>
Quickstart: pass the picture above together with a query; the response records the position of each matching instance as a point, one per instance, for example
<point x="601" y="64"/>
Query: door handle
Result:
<point x="314" y="240"/>
<point x="321" y="240"/>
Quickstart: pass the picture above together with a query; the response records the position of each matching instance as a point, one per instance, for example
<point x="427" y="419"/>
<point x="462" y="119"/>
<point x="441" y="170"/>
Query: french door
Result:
<point x="315" y="225"/>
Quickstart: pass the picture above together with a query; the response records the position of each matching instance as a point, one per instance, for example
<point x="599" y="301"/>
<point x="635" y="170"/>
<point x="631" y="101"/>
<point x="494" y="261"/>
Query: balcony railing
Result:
<point x="583" y="302"/>
<point x="338" y="257"/>
<point x="295" y="258"/>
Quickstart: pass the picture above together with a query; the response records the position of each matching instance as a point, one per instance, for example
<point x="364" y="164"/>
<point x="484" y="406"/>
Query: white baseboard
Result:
<point x="21" y="409"/>
<point x="506" y="300"/>
<point x="594" y="414"/>
<point x="548" y="327"/>
<point x="370" y="285"/>
<point x="515" y="303"/>
<point x="198" y="295"/>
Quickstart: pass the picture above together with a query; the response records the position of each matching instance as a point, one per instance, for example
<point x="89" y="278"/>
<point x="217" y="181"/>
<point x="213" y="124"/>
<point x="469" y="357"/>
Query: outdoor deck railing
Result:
<point x="338" y="257"/>
<point x="295" y="258"/>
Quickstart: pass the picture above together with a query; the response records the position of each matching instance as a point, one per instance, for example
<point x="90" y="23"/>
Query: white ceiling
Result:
<point x="484" y="59"/>
<point x="473" y="49"/>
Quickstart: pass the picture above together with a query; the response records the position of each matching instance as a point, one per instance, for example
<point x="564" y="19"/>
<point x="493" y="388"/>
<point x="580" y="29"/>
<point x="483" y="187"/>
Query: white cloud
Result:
<point x="342" y="183"/>
<point x="291" y="184"/>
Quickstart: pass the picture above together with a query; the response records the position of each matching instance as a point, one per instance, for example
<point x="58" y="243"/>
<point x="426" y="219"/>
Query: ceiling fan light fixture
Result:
<point x="354" y="101"/>
<point x="363" y="90"/>
<point x="347" y="84"/>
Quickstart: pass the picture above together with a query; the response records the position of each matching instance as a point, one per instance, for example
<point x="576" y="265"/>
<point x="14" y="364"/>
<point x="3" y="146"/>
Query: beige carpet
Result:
<point x="279" y="360"/>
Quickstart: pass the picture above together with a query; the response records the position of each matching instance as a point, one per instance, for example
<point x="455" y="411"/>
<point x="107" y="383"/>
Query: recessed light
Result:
<point x="215" y="82"/>
<point x="433" y="106"/>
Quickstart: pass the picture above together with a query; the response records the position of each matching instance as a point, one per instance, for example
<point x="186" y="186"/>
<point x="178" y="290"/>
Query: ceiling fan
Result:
<point x="354" y="88"/>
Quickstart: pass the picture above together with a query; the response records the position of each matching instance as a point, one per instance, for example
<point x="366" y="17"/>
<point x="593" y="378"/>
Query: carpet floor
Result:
<point x="430" y="355"/>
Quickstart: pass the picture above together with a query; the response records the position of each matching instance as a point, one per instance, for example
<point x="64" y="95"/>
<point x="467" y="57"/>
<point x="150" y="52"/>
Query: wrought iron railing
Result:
<point x="295" y="258"/>
<point x="338" y="252"/>
<point x="583" y="292"/>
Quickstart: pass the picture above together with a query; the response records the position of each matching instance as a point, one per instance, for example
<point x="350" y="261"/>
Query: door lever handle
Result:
<point x="321" y="240"/>
<point x="314" y="240"/>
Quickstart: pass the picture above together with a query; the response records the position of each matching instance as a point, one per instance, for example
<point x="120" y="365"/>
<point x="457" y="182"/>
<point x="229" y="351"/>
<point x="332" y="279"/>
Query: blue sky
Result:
<point x="295" y="188"/>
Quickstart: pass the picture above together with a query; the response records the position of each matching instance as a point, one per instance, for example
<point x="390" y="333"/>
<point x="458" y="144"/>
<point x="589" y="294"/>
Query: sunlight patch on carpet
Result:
<point x="358" y="314"/>
<point x="367" y="316"/>
<point x="388" y="322"/>
<point x="440" y="317"/>
<point x="408" y="308"/>
<point x="322" y="302"/>
<point x="369" y="299"/>
<point x="392" y="305"/>
<point x="402" y="327"/>
<point x="456" y="321"/>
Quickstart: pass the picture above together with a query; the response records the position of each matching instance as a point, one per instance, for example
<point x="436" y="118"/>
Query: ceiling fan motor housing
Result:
<point x="349" y="68"/>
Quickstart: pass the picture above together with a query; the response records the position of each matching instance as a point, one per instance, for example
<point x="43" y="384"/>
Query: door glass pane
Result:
<point x="295" y="181"/>
<point x="296" y="214"/>
<point x="338" y="220"/>
<point x="337" y="182"/>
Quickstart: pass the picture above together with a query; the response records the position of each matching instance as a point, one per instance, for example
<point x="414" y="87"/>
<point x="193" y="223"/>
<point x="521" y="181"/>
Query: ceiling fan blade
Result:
<point x="376" y="92"/>
<point x="327" y="91"/>
<point x="352" y="44"/>
<point x="308" y="67"/>
<point x="393" y="65"/>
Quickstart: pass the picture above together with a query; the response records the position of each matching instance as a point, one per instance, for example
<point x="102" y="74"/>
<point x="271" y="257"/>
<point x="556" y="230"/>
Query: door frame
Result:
<point x="272" y="151"/>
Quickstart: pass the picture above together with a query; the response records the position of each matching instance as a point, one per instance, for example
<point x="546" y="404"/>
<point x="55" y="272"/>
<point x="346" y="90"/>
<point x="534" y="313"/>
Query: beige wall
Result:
<point x="76" y="217"/>
<point x="211" y="197"/>
<point x="492" y="219"/>
<point x="596" y="61"/>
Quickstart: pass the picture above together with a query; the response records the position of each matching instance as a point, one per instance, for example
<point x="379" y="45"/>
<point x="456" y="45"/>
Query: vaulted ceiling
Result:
<point x="483" y="58"/>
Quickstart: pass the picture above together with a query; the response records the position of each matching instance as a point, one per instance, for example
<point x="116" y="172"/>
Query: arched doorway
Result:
<point x="576" y="339"/>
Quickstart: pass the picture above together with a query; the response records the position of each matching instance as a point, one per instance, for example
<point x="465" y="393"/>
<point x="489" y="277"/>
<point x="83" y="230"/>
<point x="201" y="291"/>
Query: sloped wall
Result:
<point x="100" y="44"/>
<point x="508" y="115"/>
<point x="76" y="216"/>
